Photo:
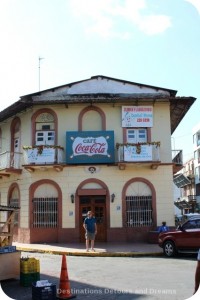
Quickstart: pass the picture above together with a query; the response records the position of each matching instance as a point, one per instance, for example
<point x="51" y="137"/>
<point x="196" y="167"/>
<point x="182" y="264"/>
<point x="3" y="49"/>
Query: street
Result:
<point x="115" y="278"/>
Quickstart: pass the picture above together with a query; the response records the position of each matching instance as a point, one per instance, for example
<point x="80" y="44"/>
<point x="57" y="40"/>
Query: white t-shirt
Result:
<point x="198" y="257"/>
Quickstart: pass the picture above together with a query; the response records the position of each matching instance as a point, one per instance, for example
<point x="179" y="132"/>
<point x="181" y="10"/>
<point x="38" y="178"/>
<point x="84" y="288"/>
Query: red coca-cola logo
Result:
<point x="96" y="148"/>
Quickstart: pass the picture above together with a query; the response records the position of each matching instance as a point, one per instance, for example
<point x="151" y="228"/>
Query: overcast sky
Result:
<point x="147" y="41"/>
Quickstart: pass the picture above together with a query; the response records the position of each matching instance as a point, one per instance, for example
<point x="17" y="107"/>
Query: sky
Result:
<point x="48" y="43"/>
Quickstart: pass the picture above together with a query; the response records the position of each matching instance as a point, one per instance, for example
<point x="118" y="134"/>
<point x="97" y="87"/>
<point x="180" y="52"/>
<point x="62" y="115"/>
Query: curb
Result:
<point x="92" y="254"/>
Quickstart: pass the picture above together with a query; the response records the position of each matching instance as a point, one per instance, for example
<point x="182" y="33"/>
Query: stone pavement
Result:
<point x="101" y="249"/>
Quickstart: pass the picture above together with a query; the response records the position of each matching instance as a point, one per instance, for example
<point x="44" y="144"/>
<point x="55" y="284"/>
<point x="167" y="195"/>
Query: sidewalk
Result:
<point x="101" y="249"/>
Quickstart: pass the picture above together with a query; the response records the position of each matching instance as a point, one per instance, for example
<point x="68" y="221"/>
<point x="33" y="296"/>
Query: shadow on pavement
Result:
<point x="13" y="289"/>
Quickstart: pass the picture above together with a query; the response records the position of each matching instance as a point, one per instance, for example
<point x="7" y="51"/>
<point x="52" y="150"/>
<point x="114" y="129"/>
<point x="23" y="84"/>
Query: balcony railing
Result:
<point x="43" y="155"/>
<point x="139" y="152"/>
<point x="177" y="157"/>
<point x="10" y="160"/>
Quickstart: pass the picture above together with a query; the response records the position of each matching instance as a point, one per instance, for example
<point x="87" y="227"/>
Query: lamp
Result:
<point x="72" y="198"/>
<point x="112" y="197"/>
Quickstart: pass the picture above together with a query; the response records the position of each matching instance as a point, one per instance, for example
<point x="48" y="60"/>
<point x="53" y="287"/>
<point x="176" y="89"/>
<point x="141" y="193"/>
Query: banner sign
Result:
<point x="137" y="116"/>
<point x="86" y="147"/>
<point x="145" y="154"/>
<point x="47" y="156"/>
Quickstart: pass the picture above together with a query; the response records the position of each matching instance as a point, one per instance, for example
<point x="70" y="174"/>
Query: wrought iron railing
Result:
<point x="177" y="157"/>
<point x="10" y="159"/>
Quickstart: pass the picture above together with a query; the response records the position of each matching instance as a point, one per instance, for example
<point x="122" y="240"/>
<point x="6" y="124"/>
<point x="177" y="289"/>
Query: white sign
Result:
<point x="145" y="154"/>
<point x="47" y="156"/>
<point x="90" y="146"/>
<point x="137" y="116"/>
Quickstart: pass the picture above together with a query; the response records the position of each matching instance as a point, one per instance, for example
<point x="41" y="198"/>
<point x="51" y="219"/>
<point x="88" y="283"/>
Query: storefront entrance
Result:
<point x="97" y="204"/>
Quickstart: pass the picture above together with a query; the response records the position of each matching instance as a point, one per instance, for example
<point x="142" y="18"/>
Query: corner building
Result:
<point x="100" y="144"/>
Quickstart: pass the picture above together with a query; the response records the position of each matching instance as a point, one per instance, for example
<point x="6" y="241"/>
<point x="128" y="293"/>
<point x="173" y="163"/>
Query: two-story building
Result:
<point x="100" y="144"/>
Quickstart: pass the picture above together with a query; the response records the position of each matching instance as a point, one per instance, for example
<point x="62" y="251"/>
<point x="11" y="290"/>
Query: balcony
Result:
<point x="177" y="160"/>
<point x="145" y="153"/>
<point x="43" y="157"/>
<point x="10" y="163"/>
<point x="187" y="204"/>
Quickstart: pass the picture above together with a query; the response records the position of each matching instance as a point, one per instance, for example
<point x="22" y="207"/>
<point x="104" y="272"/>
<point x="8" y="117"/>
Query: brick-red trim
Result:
<point x="85" y="110"/>
<point x="33" y="121"/>
<point x="153" y="191"/>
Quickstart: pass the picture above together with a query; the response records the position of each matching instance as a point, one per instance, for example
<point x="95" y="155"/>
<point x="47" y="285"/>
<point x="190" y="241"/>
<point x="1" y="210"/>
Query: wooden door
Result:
<point x="97" y="204"/>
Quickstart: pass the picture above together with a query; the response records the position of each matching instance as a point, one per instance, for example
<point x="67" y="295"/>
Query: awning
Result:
<point x="180" y="180"/>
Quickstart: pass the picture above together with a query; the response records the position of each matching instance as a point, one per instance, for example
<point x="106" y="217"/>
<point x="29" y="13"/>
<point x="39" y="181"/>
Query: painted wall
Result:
<point x="115" y="179"/>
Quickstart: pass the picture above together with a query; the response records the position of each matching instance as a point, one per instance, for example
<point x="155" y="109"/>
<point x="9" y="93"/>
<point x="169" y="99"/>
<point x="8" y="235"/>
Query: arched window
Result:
<point x="44" y="124"/>
<point x="15" y="143"/>
<point x="45" y="207"/>
<point x="45" y="130"/>
<point x="139" y="203"/>
<point x="92" y="118"/>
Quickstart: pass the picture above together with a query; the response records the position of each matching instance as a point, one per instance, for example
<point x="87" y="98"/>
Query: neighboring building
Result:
<point x="185" y="190"/>
<point x="100" y="144"/>
<point x="196" y="146"/>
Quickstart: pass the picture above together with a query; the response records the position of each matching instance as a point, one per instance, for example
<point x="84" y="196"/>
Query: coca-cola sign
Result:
<point x="90" y="146"/>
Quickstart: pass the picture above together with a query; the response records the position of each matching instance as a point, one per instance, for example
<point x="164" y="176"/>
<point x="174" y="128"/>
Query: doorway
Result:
<point x="97" y="204"/>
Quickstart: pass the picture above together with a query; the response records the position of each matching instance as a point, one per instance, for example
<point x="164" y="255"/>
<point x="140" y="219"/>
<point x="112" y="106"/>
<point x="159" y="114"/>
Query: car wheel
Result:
<point x="169" y="249"/>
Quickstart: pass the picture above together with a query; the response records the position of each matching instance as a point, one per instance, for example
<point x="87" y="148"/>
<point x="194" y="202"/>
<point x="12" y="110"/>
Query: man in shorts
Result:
<point x="90" y="226"/>
<point x="197" y="273"/>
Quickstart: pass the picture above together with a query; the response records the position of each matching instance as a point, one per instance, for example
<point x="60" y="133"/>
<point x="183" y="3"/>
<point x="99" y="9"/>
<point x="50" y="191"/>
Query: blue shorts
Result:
<point x="90" y="235"/>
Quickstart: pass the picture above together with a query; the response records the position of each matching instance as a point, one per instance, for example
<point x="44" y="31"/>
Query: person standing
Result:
<point x="197" y="274"/>
<point x="90" y="227"/>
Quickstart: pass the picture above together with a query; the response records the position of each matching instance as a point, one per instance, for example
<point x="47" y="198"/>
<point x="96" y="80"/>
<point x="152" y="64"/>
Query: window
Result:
<point x="45" y="129"/>
<point x="138" y="211"/>
<point x="45" y="137"/>
<point x="197" y="223"/>
<point x="197" y="172"/>
<point x="137" y="135"/>
<point x="197" y="138"/>
<point x="190" y="225"/>
<point x="45" y="212"/>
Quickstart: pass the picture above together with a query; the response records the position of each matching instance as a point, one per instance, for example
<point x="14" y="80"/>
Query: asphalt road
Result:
<point x="115" y="278"/>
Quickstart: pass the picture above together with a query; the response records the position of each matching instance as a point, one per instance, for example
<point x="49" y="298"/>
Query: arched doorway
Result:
<point x="97" y="204"/>
<point x="93" y="195"/>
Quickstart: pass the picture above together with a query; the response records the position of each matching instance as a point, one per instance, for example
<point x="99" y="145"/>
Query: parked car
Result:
<point x="186" y="238"/>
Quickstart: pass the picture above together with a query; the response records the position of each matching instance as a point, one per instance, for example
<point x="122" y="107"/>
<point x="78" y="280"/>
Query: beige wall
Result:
<point x="71" y="177"/>
<point x="68" y="121"/>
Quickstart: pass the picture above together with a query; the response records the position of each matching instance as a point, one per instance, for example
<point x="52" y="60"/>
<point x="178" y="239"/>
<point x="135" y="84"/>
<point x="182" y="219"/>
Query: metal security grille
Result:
<point x="138" y="211"/>
<point x="45" y="212"/>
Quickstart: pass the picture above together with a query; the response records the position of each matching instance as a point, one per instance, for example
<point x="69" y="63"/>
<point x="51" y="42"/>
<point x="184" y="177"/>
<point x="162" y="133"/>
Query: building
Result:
<point x="185" y="190"/>
<point x="196" y="147"/>
<point x="100" y="144"/>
